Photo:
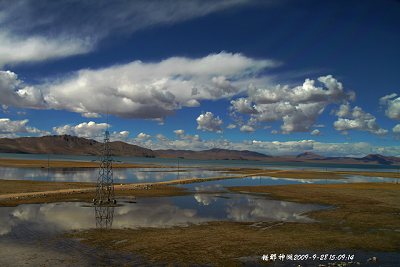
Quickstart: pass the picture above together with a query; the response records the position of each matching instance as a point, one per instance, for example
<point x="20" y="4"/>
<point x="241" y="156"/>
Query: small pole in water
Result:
<point x="178" y="168"/>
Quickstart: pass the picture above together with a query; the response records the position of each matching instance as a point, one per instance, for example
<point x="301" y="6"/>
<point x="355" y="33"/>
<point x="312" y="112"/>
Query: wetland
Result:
<point x="227" y="216"/>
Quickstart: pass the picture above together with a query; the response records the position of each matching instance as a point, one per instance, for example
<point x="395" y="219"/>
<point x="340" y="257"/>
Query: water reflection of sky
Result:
<point x="152" y="175"/>
<point x="257" y="180"/>
<point x="121" y="175"/>
<point x="153" y="212"/>
<point x="22" y="227"/>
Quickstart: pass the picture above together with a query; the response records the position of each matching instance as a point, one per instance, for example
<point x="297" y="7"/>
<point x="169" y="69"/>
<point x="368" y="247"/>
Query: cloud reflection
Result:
<point x="153" y="212"/>
<point x="206" y="199"/>
<point x="121" y="175"/>
<point x="249" y="209"/>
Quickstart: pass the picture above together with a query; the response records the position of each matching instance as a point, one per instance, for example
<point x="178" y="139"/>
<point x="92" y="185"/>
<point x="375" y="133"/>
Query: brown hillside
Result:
<point x="72" y="145"/>
<point x="215" y="153"/>
<point x="69" y="145"/>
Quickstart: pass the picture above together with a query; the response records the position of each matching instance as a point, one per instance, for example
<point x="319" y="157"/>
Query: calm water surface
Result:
<point x="121" y="175"/>
<point x="215" y="163"/>
<point x="152" y="175"/>
<point x="152" y="212"/>
<point x="27" y="232"/>
<point x="26" y="229"/>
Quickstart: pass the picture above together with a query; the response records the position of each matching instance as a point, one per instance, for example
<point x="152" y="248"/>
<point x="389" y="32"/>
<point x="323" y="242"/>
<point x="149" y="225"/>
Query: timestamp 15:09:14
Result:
<point x="333" y="257"/>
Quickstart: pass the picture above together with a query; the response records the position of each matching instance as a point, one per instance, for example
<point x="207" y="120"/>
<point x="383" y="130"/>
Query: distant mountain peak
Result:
<point x="309" y="155"/>
<point x="74" y="145"/>
<point x="378" y="158"/>
<point x="70" y="145"/>
<point x="375" y="156"/>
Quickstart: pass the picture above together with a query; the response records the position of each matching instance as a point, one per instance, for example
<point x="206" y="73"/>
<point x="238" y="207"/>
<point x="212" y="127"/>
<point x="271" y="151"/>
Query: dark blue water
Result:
<point x="121" y="175"/>
<point x="215" y="163"/>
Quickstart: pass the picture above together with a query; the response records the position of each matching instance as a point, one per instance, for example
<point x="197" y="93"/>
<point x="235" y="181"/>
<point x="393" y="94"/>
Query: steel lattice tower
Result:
<point x="105" y="180"/>
<point x="104" y="217"/>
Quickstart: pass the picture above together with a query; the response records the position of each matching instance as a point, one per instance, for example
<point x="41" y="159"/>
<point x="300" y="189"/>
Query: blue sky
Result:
<point x="277" y="77"/>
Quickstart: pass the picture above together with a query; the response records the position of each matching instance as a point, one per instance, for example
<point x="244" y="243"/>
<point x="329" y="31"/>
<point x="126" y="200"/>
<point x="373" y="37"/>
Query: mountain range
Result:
<point x="72" y="145"/>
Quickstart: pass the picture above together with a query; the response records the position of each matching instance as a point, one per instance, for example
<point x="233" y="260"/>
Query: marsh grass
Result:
<point x="25" y="186"/>
<point x="365" y="217"/>
<point x="49" y="192"/>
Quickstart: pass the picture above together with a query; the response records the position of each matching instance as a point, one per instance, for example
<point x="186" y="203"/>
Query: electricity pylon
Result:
<point x="104" y="217"/>
<point x="105" y="180"/>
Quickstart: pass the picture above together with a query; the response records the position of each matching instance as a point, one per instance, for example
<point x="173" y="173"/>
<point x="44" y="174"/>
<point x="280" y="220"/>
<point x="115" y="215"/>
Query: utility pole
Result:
<point x="178" y="168"/>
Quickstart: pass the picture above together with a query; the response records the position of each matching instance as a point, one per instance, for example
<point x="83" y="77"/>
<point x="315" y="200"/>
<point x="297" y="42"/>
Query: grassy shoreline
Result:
<point x="366" y="216"/>
<point x="15" y="192"/>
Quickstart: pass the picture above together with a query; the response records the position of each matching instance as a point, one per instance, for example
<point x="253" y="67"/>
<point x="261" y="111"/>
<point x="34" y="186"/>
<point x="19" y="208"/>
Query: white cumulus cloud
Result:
<point x="10" y="128"/>
<point x="243" y="106"/>
<point x="180" y="134"/>
<point x="298" y="107"/>
<point x="207" y="122"/>
<point x="137" y="89"/>
<point x="247" y="129"/>
<point x="143" y="136"/>
<point x="151" y="90"/>
<point x="12" y="94"/>
<point x="359" y="120"/>
<point x="396" y="129"/>
<point x="360" y="149"/>
<point x="316" y="132"/>
<point x="90" y="129"/>
<point x="280" y="132"/>
<point x="161" y="138"/>
<point x="393" y="106"/>
<point x="344" y="133"/>
<point x="121" y="136"/>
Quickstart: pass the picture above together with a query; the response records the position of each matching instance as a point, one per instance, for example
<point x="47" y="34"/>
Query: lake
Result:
<point x="216" y="163"/>
<point x="152" y="175"/>
<point x="29" y="232"/>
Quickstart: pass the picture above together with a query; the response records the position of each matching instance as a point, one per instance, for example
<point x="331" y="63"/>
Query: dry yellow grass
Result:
<point x="14" y="193"/>
<point x="365" y="205"/>
<point x="365" y="217"/>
